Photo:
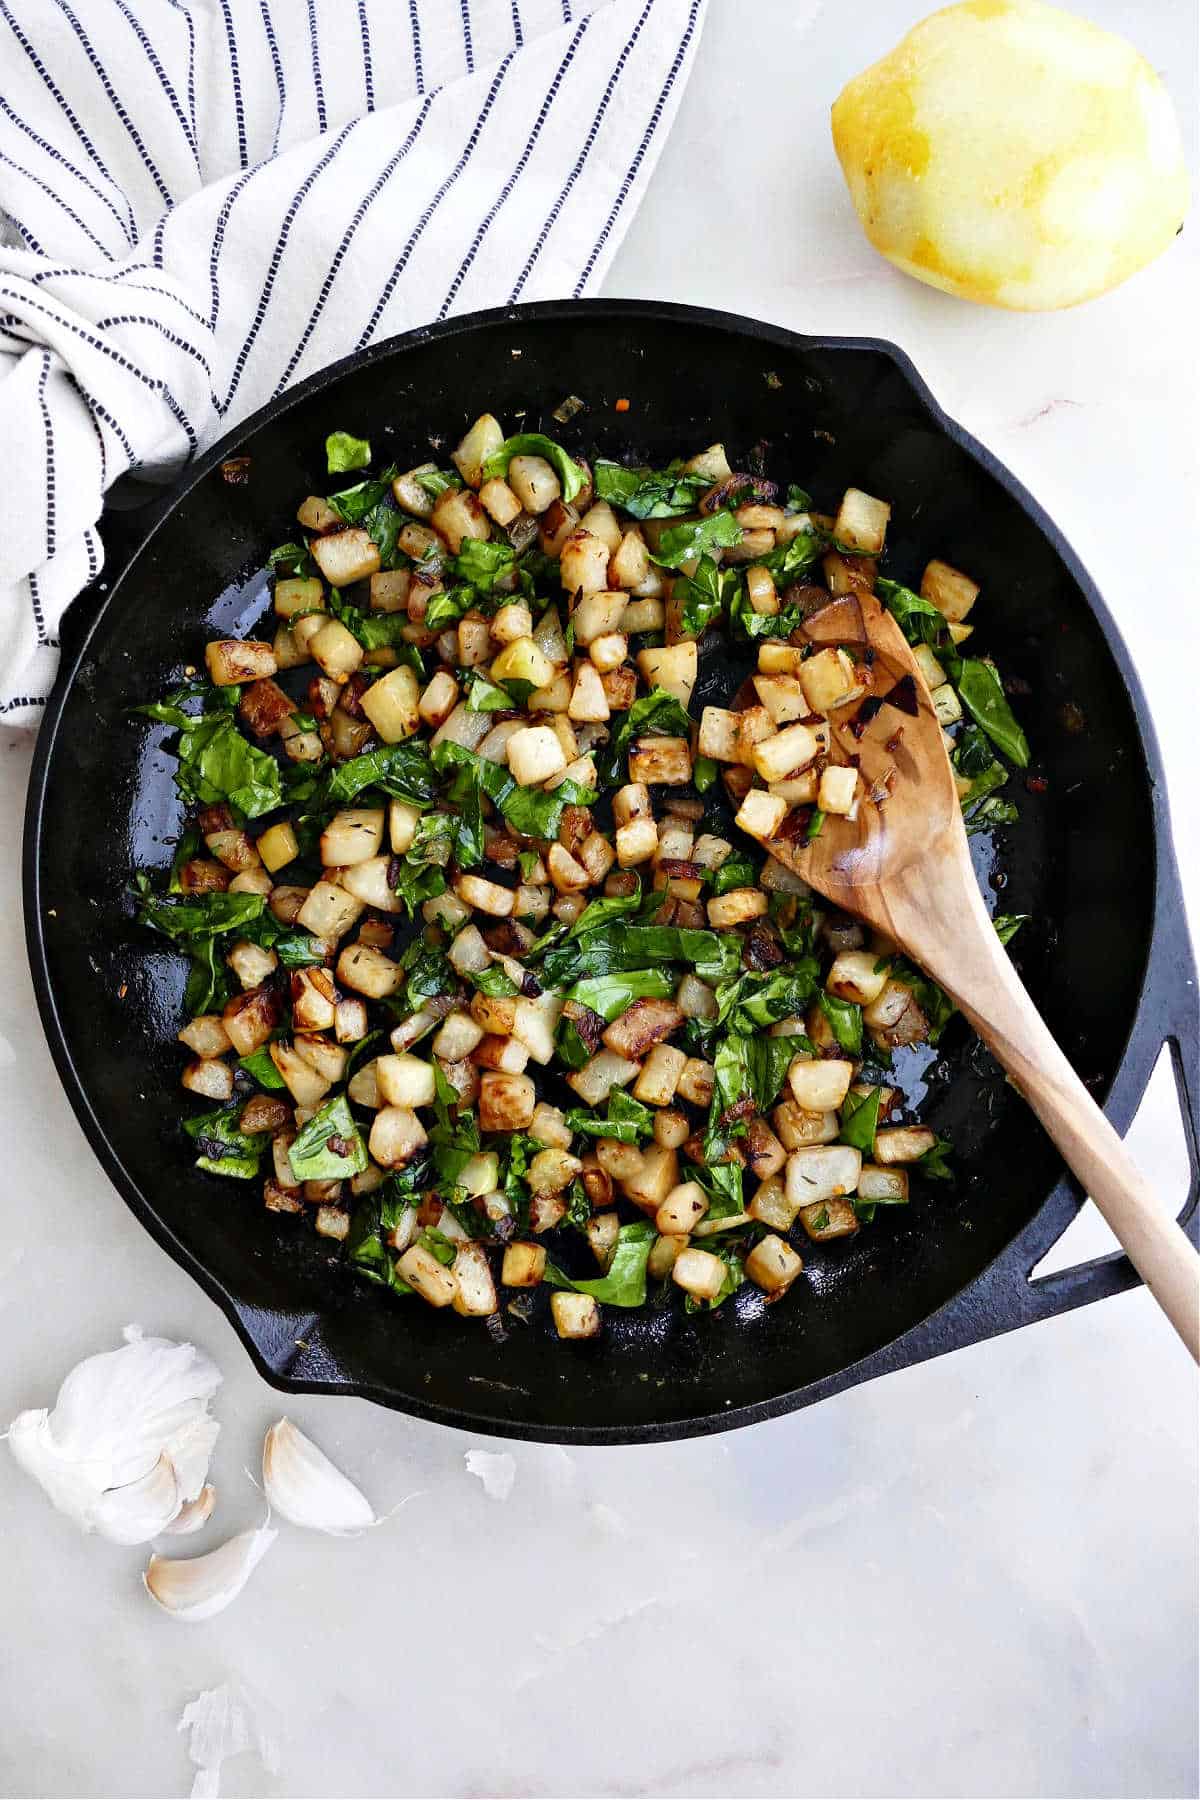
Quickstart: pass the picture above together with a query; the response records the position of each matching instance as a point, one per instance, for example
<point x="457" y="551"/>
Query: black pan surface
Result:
<point x="1083" y="860"/>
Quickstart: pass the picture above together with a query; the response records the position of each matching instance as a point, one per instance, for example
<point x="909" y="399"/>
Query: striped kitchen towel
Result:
<point x="203" y="201"/>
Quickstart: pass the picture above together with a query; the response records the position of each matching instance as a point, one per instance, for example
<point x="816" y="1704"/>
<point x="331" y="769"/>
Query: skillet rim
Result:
<point x="1124" y="1093"/>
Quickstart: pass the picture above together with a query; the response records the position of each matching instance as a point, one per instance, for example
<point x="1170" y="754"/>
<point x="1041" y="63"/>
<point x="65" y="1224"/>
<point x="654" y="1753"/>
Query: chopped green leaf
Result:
<point x="531" y="811"/>
<point x="495" y="982"/>
<point x="722" y="1182"/>
<point x="330" y="1146"/>
<point x="353" y="504"/>
<point x="704" y="595"/>
<point x="1008" y="924"/>
<point x="981" y="693"/>
<point x="481" y="561"/>
<point x="262" y="1069"/>
<point x="343" y="452"/>
<point x="991" y="813"/>
<point x="845" y="1017"/>
<point x="290" y="559"/>
<point x="625" y="1282"/>
<point x="217" y="764"/>
<point x="934" y="1163"/>
<point x="860" y="1120"/>
<point x="695" y="538"/>
<point x="646" y="494"/>
<point x="222" y="1147"/>
<point x="448" y="605"/>
<point x="627" y="1119"/>
<point x="402" y="769"/>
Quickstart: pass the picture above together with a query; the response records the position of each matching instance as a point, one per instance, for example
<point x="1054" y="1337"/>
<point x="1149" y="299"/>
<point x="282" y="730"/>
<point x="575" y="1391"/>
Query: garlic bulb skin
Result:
<point x="198" y="1587"/>
<point x="301" y="1483"/>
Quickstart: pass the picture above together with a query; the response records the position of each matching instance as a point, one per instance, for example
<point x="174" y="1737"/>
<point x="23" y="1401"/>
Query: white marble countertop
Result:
<point x="977" y="1577"/>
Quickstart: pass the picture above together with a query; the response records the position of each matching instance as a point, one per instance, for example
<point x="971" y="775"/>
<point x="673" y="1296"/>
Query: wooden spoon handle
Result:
<point x="980" y="977"/>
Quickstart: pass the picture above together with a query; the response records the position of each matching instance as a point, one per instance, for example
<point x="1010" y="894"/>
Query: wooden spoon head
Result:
<point x="910" y="804"/>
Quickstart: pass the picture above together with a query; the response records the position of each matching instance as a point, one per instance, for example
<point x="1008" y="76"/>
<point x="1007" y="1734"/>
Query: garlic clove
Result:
<point x="190" y="1450"/>
<point x="139" y="1511"/>
<point x="199" y="1587"/>
<point x="193" y="1514"/>
<point x="301" y="1483"/>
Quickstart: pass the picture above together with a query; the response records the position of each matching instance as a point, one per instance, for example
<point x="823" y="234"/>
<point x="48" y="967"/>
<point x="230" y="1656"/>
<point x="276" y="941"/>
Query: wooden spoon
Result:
<point x="904" y="867"/>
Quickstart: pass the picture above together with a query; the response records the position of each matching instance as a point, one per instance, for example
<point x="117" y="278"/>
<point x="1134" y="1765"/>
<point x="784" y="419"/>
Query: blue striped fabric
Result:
<point x="202" y="201"/>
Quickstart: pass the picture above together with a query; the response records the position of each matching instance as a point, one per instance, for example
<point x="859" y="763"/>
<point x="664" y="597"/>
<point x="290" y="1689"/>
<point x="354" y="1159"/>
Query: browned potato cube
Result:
<point x="280" y="1199"/>
<point x="457" y="516"/>
<point x="822" y="1172"/>
<point x="698" y="1273"/>
<point x="597" y="1078"/>
<point x="249" y="1019"/>
<point x="392" y="705"/>
<point x="642" y="1025"/>
<point x="666" y="761"/>
<point x="672" y="668"/>
<point x="764" y="1152"/>
<point x="426" y="1276"/>
<point x="671" y="1129"/>
<point x="771" y="1206"/>
<point x="773" y="1265"/>
<point x="251" y="963"/>
<point x="603" y="1230"/>
<point x="652" y="1183"/>
<point x="396" y="1136"/>
<point x="346" y="556"/>
<point x="523" y="1266"/>
<point x="889" y="1187"/>
<point x="307" y="1086"/>
<point x="484" y="438"/>
<point x="637" y="842"/>
<point x="206" y="1035"/>
<point x="620" y="688"/>
<point x="829" y="1219"/>
<point x="475" y="1289"/>
<point x="797" y="1128"/>
<point x="296" y="595"/>
<point x="903" y="1143"/>
<point x="682" y="1210"/>
<point x="231" y="661"/>
<point x="506" y="1102"/>
<point x="575" y="1315"/>
<point x="534" y="482"/>
<point x="368" y="971"/>
<point x="737" y="907"/>
<point x="209" y="1077"/>
<point x="621" y="1161"/>
<point x="952" y="592"/>
<point x="352" y="836"/>
<point x="696" y="1081"/>
<point x="820" y="1085"/>
<point x="656" y="1084"/>
<point x="485" y="896"/>
<point x="264" y="706"/>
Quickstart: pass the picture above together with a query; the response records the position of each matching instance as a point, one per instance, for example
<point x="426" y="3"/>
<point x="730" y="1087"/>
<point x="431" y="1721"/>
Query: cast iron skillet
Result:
<point x="1106" y="956"/>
